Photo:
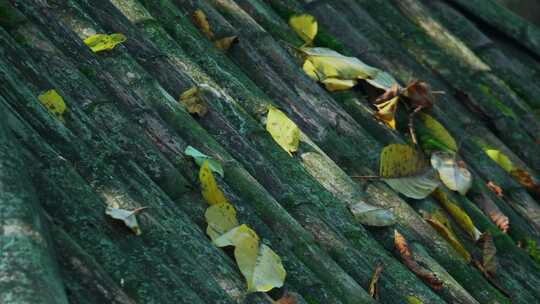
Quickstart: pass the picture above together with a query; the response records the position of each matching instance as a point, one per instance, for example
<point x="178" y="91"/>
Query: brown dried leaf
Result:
<point x="495" y="188"/>
<point x="287" y="298"/>
<point x="373" y="288"/>
<point x="193" y="102"/>
<point x="386" y="112"/>
<point x="199" y="18"/>
<point x="225" y="43"/>
<point x="426" y="275"/>
<point x="523" y="178"/>
<point x="419" y="94"/>
<point x="489" y="252"/>
<point x="389" y="94"/>
<point x="493" y="212"/>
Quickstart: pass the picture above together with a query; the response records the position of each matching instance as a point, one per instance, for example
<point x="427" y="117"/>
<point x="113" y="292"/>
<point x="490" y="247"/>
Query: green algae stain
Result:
<point x="508" y="112"/>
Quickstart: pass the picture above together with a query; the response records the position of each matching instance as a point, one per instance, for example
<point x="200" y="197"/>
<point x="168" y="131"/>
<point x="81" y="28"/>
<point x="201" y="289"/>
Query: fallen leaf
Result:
<point x="434" y="136"/>
<point x="287" y="298"/>
<point x="128" y="217"/>
<point x="200" y="157"/>
<point x="283" y="130"/>
<point x="453" y="174"/>
<point x="328" y="63"/>
<point x="102" y="42"/>
<point x="193" y="102"/>
<point x="523" y="178"/>
<point x="440" y="223"/>
<point x="225" y="43"/>
<point x="382" y="80"/>
<point x="372" y="288"/>
<point x="489" y="252"/>
<point x="305" y="26"/>
<point x="335" y="84"/>
<point x="371" y="215"/>
<point x="394" y="91"/>
<point x="426" y="275"/>
<point x="220" y="218"/>
<point x="209" y="187"/>
<point x="405" y="171"/>
<point x="387" y="112"/>
<point x="459" y="215"/>
<point x="260" y="265"/>
<point x="493" y="212"/>
<point x="419" y="94"/>
<point x="199" y="18"/>
<point x="500" y="158"/>
<point x="413" y="300"/>
<point x="54" y="103"/>
<point x="495" y="188"/>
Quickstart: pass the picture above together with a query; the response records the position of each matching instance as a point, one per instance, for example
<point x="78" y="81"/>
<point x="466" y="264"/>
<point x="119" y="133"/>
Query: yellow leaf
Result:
<point x="331" y="64"/>
<point x="310" y="70"/>
<point x="102" y="42"/>
<point x="501" y="159"/>
<point x="387" y="112"/>
<point x="443" y="227"/>
<point x="398" y="160"/>
<point x="260" y="266"/>
<point x="199" y="18"/>
<point x="453" y="175"/>
<point x="305" y="26"/>
<point x="335" y="84"/>
<point x="433" y="130"/>
<point x="283" y="130"/>
<point x="193" y="102"/>
<point x="225" y="43"/>
<point x="459" y="215"/>
<point x="209" y="187"/>
<point x="54" y="103"/>
<point x="220" y="218"/>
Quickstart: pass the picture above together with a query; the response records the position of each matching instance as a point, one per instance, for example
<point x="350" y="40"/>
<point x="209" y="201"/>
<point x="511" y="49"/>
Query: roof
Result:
<point x="122" y="140"/>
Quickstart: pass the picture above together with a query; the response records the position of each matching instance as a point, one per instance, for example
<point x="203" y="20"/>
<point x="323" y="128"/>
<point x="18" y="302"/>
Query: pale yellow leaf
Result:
<point x="501" y="159"/>
<point x="459" y="215"/>
<point x="443" y="227"/>
<point x="199" y="18"/>
<point x="283" y="130"/>
<point x="305" y="26"/>
<point x="331" y="64"/>
<point x="220" y="218"/>
<point x="54" y="103"/>
<point x="102" y="42"/>
<point x="387" y="112"/>
<point x="269" y="272"/>
<point x="127" y="216"/>
<point x="335" y="84"/>
<point x="209" y="188"/>
<point x="453" y="175"/>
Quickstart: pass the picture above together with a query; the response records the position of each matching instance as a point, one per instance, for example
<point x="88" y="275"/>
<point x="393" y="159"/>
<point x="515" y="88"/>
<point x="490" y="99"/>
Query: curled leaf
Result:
<point x="209" y="188"/>
<point x="434" y="136"/>
<point x="372" y="288"/>
<point x="440" y="223"/>
<point x="305" y="26"/>
<point x="200" y="157"/>
<point x="493" y="212"/>
<point x="453" y="174"/>
<point x="459" y="215"/>
<point x="127" y="216"/>
<point x="283" y="130"/>
<point x="225" y="43"/>
<point x="193" y="102"/>
<point x="199" y="18"/>
<point x="220" y="218"/>
<point x="495" y="188"/>
<point x="489" y="252"/>
<point x="387" y="112"/>
<point x="328" y="63"/>
<point x="54" y="103"/>
<point x="426" y="275"/>
<point x="102" y="42"/>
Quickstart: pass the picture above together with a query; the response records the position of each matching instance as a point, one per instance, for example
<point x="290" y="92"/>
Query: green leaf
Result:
<point x="283" y="130"/>
<point x="54" y="103"/>
<point x="413" y="300"/>
<point x="328" y="63"/>
<point x="500" y="158"/>
<point x="305" y="26"/>
<point x="454" y="176"/>
<point x="434" y="136"/>
<point x="382" y="80"/>
<point x="459" y="215"/>
<point x="440" y="223"/>
<point x="128" y="217"/>
<point x="200" y="157"/>
<point x="417" y="186"/>
<point x="102" y="42"/>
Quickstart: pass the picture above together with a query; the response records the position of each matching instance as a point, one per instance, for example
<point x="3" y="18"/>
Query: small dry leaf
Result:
<point x="426" y="275"/>
<point x="419" y="94"/>
<point x="394" y="91"/>
<point x="127" y="216"/>
<point x="102" y="42"/>
<point x="287" y="298"/>
<point x="373" y="289"/>
<point x="493" y="212"/>
<point x="495" y="188"/>
<point x="440" y="223"/>
<point x="386" y="112"/>
<point x="193" y="102"/>
<point x="199" y="18"/>
<point x="523" y="178"/>
<point x="459" y="215"/>
<point x="305" y="26"/>
<point x="489" y="252"/>
<point x="225" y="43"/>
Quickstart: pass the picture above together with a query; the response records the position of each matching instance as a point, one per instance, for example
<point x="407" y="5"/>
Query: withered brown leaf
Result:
<point x="493" y="212"/>
<point x="373" y="289"/>
<point x="419" y="95"/>
<point x="489" y="251"/>
<point x="495" y="188"/>
<point x="406" y="257"/>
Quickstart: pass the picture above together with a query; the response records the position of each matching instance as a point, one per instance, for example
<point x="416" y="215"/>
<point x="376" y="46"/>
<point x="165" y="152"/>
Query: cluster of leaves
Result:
<point x="258" y="263"/>
<point x="201" y="22"/>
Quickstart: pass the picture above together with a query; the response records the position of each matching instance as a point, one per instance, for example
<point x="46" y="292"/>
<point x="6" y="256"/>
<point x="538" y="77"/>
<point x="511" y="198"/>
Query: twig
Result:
<point x="367" y="177"/>
<point x="411" y="123"/>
